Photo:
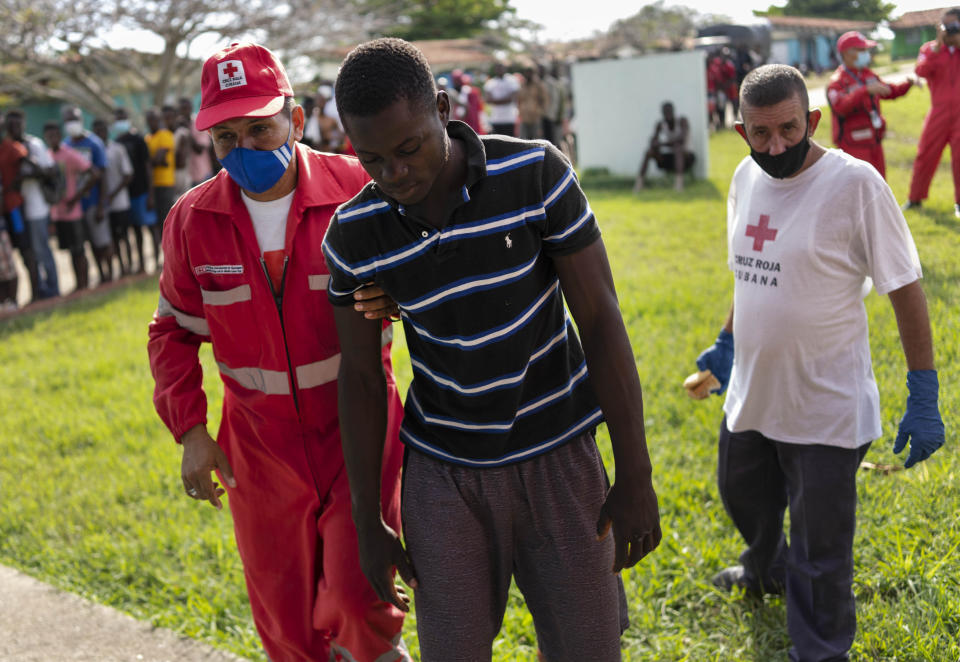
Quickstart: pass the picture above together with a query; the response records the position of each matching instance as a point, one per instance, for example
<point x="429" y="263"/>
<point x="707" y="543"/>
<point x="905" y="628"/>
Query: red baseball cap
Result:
<point x="853" y="39"/>
<point x="242" y="80"/>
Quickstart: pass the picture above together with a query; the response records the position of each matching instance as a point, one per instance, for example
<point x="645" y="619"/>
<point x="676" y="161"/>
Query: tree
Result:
<point x="655" y="27"/>
<point x="860" y="10"/>
<point x="57" y="48"/>
<point x="450" y="19"/>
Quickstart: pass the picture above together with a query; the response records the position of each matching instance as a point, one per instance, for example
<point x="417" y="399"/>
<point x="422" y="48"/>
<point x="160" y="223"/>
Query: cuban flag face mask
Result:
<point x="258" y="170"/>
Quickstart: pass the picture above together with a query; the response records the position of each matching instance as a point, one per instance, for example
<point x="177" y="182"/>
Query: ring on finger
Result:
<point x="192" y="491"/>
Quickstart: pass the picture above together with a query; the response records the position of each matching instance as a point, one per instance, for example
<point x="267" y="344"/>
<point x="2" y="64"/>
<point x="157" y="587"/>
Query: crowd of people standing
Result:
<point x="531" y="102"/>
<point x="726" y="69"/>
<point x="103" y="192"/>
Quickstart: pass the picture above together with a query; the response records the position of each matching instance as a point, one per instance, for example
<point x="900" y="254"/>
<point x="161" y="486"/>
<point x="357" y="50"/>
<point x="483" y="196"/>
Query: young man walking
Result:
<point x="480" y="241"/>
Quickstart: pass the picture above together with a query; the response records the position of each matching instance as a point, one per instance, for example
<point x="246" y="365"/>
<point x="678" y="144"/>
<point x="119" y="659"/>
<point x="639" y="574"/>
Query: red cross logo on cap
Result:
<point x="761" y="232"/>
<point x="230" y="73"/>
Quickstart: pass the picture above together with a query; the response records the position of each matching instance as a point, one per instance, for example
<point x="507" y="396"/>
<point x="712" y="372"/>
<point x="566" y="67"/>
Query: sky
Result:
<point x="562" y="24"/>
<point x="558" y="24"/>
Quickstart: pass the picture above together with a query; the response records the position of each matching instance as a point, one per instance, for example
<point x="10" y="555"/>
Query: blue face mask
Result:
<point x="258" y="170"/>
<point x="863" y="59"/>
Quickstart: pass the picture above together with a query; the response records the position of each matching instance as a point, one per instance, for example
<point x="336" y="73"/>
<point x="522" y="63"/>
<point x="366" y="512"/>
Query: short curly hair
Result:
<point x="377" y="73"/>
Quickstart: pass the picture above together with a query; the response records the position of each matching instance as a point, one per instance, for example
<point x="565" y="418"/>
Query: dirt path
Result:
<point x="39" y="623"/>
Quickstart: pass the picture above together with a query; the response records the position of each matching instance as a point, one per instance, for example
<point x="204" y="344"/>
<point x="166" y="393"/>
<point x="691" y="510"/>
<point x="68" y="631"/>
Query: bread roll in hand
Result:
<point x="701" y="384"/>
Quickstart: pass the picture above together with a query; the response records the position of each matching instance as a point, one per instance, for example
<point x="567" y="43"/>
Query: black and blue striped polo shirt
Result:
<point x="499" y="374"/>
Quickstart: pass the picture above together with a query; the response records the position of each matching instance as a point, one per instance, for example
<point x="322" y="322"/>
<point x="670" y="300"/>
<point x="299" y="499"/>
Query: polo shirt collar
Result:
<point x="476" y="161"/>
<point x="476" y="153"/>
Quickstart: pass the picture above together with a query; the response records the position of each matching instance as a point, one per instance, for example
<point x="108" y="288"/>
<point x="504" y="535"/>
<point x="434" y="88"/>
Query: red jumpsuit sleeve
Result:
<point x="175" y="333"/>
<point x="930" y="61"/>
<point x="898" y="89"/>
<point x="844" y="103"/>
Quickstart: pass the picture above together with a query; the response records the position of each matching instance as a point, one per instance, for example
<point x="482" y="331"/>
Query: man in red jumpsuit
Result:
<point x="854" y="94"/>
<point x="244" y="271"/>
<point x="939" y="63"/>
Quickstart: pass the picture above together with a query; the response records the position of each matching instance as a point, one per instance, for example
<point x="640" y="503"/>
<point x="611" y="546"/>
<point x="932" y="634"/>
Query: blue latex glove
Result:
<point x="921" y="424"/>
<point x="718" y="359"/>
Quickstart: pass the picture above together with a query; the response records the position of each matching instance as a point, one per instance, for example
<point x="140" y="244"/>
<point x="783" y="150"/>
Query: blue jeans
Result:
<point x="47" y="283"/>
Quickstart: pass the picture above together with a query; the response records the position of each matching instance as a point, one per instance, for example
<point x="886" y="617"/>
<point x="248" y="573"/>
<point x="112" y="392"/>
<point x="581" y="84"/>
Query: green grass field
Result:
<point x="91" y="500"/>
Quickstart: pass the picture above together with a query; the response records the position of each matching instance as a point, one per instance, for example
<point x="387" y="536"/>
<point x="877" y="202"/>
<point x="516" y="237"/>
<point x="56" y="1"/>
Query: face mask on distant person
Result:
<point x="863" y="59"/>
<point x="120" y="127"/>
<point x="73" y="128"/>
<point x="257" y="170"/>
<point x="787" y="162"/>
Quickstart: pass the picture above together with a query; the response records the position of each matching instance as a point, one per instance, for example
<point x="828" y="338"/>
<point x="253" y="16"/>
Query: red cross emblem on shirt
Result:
<point x="230" y="69"/>
<point x="761" y="232"/>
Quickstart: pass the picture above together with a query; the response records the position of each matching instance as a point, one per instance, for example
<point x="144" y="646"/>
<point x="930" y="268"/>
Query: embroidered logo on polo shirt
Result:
<point x="230" y="73"/>
<point x="218" y="269"/>
<point x="508" y="241"/>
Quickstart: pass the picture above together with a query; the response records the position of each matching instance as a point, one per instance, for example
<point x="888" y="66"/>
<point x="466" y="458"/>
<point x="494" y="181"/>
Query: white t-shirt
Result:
<point x="269" y="220"/>
<point x="501" y="113"/>
<point x="118" y="168"/>
<point x="804" y="251"/>
<point x="35" y="206"/>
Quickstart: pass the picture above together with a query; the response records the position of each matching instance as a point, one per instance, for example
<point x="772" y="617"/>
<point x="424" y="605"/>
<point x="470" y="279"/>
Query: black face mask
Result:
<point x="786" y="163"/>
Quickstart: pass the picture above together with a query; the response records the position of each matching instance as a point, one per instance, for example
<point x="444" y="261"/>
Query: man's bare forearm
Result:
<point x="614" y="378"/>
<point x="910" y="306"/>
<point x="363" y="425"/>
<point x="589" y="290"/>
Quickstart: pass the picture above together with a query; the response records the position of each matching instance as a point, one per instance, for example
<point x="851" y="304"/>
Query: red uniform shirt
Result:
<point x="213" y="287"/>
<point x="856" y="113"/>
<point x="12" y="152"/>
<point x="940" y="66"/>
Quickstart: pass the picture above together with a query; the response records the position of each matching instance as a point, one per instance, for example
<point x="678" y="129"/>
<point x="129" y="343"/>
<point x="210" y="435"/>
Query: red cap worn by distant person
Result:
<point x="242" y="80"/>
<point x="853" y="39"/>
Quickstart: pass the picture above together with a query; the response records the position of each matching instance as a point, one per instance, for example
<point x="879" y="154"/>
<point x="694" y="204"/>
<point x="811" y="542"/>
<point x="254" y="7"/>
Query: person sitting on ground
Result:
<point x="668" y="148"/>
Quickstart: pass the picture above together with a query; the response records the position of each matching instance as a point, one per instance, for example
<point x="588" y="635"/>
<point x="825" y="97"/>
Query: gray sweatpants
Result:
<point x="468" y="531"/>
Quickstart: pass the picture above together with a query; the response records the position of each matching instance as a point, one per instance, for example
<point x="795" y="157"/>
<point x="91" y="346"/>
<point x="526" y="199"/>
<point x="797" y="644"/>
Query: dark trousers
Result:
<point x="503" y="128"/>
<point x="759" y="478"/>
